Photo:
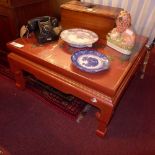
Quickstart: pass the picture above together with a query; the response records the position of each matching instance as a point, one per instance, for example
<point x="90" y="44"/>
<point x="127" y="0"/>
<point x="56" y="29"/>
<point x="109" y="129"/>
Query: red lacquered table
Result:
<point x="51" y="63"/>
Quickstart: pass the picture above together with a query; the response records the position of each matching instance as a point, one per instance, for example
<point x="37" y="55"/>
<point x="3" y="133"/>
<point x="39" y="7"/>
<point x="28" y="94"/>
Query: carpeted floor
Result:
<point x="30" y="127"/>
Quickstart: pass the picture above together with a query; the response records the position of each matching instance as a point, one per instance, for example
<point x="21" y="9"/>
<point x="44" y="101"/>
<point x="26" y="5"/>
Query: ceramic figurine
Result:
<point x="122" y="37"/>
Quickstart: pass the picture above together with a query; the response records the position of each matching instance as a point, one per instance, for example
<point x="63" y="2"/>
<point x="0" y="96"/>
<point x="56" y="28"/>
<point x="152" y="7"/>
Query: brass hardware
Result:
<point x="94" y="100"/>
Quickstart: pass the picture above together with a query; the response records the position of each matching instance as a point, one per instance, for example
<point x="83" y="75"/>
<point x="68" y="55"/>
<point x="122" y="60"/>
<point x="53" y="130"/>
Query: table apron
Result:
<point x="59" y="81"/>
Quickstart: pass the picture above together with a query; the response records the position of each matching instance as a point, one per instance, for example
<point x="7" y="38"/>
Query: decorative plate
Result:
<point x="78" y="37"/>
<point x="90" y="61"/>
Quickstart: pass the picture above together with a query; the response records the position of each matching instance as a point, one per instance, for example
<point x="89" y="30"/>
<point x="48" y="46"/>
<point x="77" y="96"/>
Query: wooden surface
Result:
<point x="52" y="64"/>
<point x="55" y="6"/>
<point x="15" y="13"/>
<point x="98" y="18"/>
<point x="17" y="3"/>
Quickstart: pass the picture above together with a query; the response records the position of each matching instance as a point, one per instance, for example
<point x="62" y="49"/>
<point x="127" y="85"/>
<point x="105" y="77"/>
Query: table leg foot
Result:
<point x="18" y="85"/>
<point x="101" y="133"/>
<point x="98" y="115"/>
<point x="20" y="81"/>
<point x="145" y="62"/>
<point x="104" y="117"/>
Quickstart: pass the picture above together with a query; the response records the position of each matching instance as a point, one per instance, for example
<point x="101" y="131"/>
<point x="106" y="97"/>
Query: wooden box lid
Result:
<point x="100" y="10"/>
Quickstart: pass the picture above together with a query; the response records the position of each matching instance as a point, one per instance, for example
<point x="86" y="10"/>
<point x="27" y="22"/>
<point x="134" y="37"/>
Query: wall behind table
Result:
<point x="142" y="13"/>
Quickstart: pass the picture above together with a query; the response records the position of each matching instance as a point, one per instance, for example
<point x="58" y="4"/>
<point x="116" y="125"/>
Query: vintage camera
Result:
<point x="44" y="28"/>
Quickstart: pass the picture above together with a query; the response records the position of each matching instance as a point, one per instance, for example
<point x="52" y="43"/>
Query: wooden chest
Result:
<point x="98" y="18"/>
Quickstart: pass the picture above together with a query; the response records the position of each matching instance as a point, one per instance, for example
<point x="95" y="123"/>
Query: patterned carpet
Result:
<point x="66" y="102"/>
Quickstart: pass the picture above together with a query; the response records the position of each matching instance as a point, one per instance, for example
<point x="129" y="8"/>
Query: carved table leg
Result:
<point x="104" y="117"/>
<point x="20" y="81"/>
<point x="145" y="62"/>
<point x="18" y="73"/>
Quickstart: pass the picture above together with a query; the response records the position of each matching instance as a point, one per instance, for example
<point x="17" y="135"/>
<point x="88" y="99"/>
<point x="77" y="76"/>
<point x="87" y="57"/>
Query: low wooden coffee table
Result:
<point x="51" y="63"/>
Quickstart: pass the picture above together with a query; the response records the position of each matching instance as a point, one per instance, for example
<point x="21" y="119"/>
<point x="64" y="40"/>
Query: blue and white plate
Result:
<point x="90" y="61"/>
